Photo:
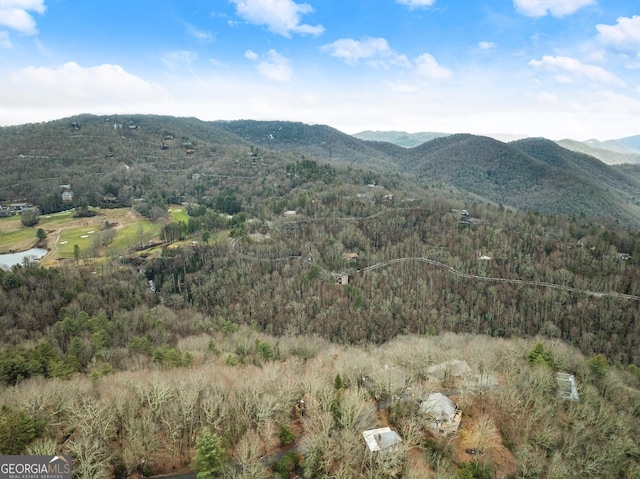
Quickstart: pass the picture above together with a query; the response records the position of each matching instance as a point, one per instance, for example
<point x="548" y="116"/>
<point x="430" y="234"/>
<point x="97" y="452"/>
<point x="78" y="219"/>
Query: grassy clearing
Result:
<point x="8" y="223"/>
<point x="55" y="219"/>
<point x="64" y="232"/>
<point x="178" y="213"/>
<point x="141" y="231"/>
<point x="82" y="236"/>
<point x="22" y="238"/>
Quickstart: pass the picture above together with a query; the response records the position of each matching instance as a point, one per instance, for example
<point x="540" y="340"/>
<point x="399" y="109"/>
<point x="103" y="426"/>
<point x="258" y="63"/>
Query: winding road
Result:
<point x="443" y="266"/>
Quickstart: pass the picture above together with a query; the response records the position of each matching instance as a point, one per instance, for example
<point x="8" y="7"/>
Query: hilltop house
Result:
<point x="383" y="439"/>
<point x="67" y="196"/>
<point x="449" y="370"/>
<point x="442" y="414"/>
<point x="387" y="385"/>
<point x="350" y="257"/>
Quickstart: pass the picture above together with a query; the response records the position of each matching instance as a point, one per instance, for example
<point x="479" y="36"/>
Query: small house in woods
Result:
<point x="567" y="387"/>
<point x="19" y="207"/>
<point x="383" y="439"/>
<point x="443" y="416"/>
<point x="67" y="196"/>
<point x="449" y="370"/>
<point x="387" y="385"/>
<point x="350" y="257"/>
<point x="342" y="279"/>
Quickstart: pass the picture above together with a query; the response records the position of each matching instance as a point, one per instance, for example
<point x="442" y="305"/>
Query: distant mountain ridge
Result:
<point x="533" y="174"/>
<point x="631" y="142"/>
<point x="611" y="152"/>
<point x="400" y="138"/>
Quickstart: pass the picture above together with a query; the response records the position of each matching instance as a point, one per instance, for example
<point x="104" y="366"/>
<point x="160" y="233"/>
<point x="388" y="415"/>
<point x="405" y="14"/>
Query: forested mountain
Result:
<point x="147" y="157"/>
<point x="621" y="186"/>
<point x="507" y="174"/>
<point x="314" y="141"/>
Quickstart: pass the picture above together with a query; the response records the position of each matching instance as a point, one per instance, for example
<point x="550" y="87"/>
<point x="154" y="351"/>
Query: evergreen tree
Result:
<point x="209" y="457"/>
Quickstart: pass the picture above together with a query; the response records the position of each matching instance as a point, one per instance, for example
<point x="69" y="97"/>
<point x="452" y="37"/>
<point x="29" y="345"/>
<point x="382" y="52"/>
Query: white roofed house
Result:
<point x="383" y="439"/>
<point x="67" y="196"/>
<point x="386" y="451"/>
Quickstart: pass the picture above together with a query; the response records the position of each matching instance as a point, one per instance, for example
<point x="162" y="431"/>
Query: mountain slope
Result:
<point x="135" y="156"/>
<point x="317" y="141"/>
<point x="586" y="166"/>
<point x="547" y="181"/>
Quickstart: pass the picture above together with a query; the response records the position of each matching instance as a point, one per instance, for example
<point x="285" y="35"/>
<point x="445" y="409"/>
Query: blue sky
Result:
<point x="553" y="68"/>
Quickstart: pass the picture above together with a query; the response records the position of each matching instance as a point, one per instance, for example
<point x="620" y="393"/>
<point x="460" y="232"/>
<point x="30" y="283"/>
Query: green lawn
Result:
<point x="142" y="230"/>
<point x="54" y="219"/>
<point x="178" y="213"/>
<point x="87" y="235"/>
<point x="12" y="238"/>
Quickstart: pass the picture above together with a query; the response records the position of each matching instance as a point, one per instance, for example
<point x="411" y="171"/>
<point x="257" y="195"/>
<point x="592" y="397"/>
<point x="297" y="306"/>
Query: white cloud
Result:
<point x="610" y="102"/>
<point x="180" y="59"/>
<point x="15" y="15"/>
<point x="251" y="55"/>
<point x="427" y="67"/>
<point x="547" y="97"/>
<point x="375" y="51"/>
<point x="48" y="93"/>
<point x="5" y="42"/>
<point x="570" y="70"/>
<point x="201" y="35"/>
<point x="218" y="63"/>
<point x="272" y="66"/>
<point x="282" y="17"/>
<point x="486" y="45"/>
<point x="557" y="8"/>
<point x="416" y="3"/>
<point x="625" y="34"/>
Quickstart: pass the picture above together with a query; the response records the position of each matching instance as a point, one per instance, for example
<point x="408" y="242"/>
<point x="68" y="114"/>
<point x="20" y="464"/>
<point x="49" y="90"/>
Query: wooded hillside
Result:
<point x="288" y="278"/>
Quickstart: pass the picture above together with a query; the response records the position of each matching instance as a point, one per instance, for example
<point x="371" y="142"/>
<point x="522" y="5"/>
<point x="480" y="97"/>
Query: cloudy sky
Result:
<point x="553" y="68"/>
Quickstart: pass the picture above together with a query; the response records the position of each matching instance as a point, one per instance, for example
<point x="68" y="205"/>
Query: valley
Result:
<point x="224" y="271"/>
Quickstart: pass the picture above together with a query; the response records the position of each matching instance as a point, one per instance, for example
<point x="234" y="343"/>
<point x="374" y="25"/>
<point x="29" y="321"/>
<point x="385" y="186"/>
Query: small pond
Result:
<point x="7" y="261"/>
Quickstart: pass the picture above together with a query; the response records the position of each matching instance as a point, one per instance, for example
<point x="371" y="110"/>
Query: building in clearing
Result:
<point x="567" y="387"/>
<point x="442" y="415"/>
<point x="449" y="370"/>
<point x="383" y="439"/>
<point x="67" y="196"/>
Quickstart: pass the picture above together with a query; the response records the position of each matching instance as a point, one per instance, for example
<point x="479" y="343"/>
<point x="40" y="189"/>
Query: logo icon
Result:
<point x="35" y="467"/>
